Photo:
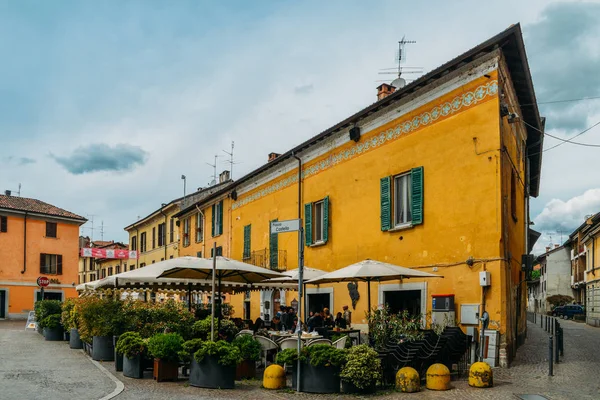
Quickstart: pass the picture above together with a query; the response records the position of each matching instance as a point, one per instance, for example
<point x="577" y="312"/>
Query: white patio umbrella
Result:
<point x="291" y="276"/>
<point x="371" y="270"/>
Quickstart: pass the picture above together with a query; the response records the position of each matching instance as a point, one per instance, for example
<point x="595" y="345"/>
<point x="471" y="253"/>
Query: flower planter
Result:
<point x="118" y="356"/>
<point x="54" y="334"/>
<point x="317" y="379"/>
<point x="165" y="370"/>
<point x="102" y="348"/>
<point x="245" y="370"/>
<point x="74" y="340"/>
<point x="349" y="387"/>
<point x="133" y="367"/>
<point x="210" y="374"/>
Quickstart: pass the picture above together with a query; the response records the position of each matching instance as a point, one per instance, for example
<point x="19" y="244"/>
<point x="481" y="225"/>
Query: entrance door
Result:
<point x="318" y="301"/>
<point x="49" y="296"/>
<point x="400" y="300"/>
<point x="2" y="303"/>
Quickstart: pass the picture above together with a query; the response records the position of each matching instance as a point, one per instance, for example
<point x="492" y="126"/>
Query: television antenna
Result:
<point x="401" y="69"/>
<point x="230" y="161"/>
<point x="214" y="175"/>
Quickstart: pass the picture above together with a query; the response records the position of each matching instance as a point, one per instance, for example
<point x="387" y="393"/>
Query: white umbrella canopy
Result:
<point x="371" y="270"/>
<point x="291" y="276"/>
<point x="226" y="269"/>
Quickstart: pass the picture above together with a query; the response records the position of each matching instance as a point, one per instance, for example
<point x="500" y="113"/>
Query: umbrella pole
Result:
<point x="220" y="310"/>
<point x="369" y="295"/>
<point x="212" y="307"/>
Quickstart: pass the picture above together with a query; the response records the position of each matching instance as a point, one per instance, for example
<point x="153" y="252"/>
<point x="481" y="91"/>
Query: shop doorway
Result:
<point x="2" y="304"/>
<point x="318" y="301"/>
<point x="400" y="300"/>
<point x="49" y="295"/>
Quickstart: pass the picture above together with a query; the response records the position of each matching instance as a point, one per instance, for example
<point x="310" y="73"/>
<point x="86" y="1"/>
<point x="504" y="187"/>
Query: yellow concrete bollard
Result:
<point x="407" y="380"/>
<point x="481" y="375"/>
<point x="274" y="377"/>
<point x="438" y="377"/>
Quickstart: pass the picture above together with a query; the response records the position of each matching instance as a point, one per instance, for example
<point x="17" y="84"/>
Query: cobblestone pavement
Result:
<point x="575" y="377"/>
<point x="31" y="368"/>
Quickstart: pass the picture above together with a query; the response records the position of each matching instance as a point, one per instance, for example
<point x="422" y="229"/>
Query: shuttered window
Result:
<point x="171" y="230"/>
<point x="273" y="249"/>
<point x="401" y="201"/>
<point x="154" y="237"/>
<point x="3" y="224"/>
<point x="199" y="227"/>
<point x="247" y="243"/>
<point x="51" y="229"/>
<point x="51" y="264"/>
<point x="219" y="251"/>
<point x="217" y="219"/>
<point x="316" y="222"/>
<point x="186" y="232"/>
<point x="143" y="242"/>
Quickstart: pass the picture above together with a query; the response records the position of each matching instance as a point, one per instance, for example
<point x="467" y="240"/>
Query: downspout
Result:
<point x="24" y="244"/>
<point x="203" y="230"/>
<point x="137" y="247"/>
<point x="164" y="230"/>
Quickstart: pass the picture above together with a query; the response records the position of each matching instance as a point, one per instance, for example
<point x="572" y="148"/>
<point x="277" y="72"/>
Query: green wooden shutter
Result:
<point x="221" y="217"/>
<point x="247" y="232"/>
<point x="42" y="263"/>
<point x="417" y="195"/>
<point x="325" y="219"/>
<point x="386" y="209"/>
<point x="273" y="249"/>
<point x="213" y="221"/>
<point x="308" y="224"/>
<point x="59" y="264"/>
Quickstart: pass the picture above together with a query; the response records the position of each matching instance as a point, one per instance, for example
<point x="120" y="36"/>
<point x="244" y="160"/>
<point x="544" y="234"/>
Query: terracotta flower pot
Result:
<point x="245" y="370"/>
<point x="165" y="370"/>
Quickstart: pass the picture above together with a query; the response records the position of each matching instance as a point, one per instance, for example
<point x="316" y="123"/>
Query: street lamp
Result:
<point x="183" y="178"/>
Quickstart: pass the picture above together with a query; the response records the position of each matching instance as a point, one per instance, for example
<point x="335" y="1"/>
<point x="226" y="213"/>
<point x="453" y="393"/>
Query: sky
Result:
<point x="104" y="105"/>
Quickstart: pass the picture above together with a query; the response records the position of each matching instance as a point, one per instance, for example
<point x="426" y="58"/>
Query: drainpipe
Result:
<point x="300" y="270"/>
<point x="203" y="230"/>
<point x="164" y="230"/>
<point x="137" y="238"/>
<point x="24" y="244"/>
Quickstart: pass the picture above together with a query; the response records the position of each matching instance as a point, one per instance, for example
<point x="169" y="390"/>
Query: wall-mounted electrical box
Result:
<point x="469" y="314"/>
<point x="484" y="278"/>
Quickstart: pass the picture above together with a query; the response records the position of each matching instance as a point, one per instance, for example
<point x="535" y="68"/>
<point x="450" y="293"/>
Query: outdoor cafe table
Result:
<point x="277" y="336"/>
<point x="348" y="332"/>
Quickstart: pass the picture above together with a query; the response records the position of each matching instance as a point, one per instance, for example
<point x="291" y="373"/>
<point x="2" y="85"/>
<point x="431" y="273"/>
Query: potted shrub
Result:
<point x="43" y="309"/>
<point x="132" y="347"/>
<point x="361" y="371"/>
<point x="225" y="330"/>
<point x="250" y="352"/>
<point x="214" y="365"/>
<point x="321" y="365"/>
<point x="287" y="358"/>
<point x="97" y="321"/>
<point x="165" y="348"/>
<point x="53" y="330"/>
<point x="69" y="321"/>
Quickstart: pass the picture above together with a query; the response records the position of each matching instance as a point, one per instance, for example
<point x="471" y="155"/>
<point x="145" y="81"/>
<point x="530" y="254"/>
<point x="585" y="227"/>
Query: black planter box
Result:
<point x="210" y="374"/>
<point x="317" y="379"/>
<point x="74" y="340"/>
<point x="54" y="335"/>
<point x="102" y="348"/>
<point x="133" y="367"/>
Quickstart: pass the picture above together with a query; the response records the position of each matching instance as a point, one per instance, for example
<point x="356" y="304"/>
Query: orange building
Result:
<point x="36" y="239"/>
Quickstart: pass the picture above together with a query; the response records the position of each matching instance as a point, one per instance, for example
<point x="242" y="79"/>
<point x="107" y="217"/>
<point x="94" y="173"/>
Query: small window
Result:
<point x="154" y="237"/>
<point x="199" y="227"/>
<point x="162" y="234"/>
<point x="171" y="230"/>
<point x="402" y="201"/>
<point x="51" y="229"/>
<point x="3" y="223"/>
<point x="219" y="251"/>
<point x="186" y="232"/>
<point x="142" y="265"/>
<point x="143" y="242"/>
<point x="318" y="221"/>
<point x="51" y="264"/>
<point x="170" y="257"/>
<point x="134" y="243"/>
<point x="110" y="271"/>
<point x="217" y="219"/>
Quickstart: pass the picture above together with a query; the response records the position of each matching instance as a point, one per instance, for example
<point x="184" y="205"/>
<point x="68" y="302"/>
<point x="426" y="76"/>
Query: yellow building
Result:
<point x="91" y="269"/>
<point x="432" y="176"/>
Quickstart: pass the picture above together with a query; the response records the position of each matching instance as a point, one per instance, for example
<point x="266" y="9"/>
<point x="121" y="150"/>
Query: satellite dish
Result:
<point x="213" y="182"/>
<point x="398" y="83"/>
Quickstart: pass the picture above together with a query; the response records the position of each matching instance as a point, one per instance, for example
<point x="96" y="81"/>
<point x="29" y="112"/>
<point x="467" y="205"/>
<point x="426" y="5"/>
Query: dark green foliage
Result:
<point x="249" y="347"/>
<point x="51" y="322"/>
<point x="362" y="368"/>
<point x="44" y="308"/>
<point x="323" y="355"/>
<point x="227" y="331"/>
<point x="165" y="346"/>
<point x="131" y="344"/>
<point x="189" y="348"/>
<point x="227" y="354"/>
<point x="287" y="357"/>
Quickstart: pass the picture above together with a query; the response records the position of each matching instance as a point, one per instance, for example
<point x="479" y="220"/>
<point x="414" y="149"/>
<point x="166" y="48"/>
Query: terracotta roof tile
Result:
<point x="36" y="206"/>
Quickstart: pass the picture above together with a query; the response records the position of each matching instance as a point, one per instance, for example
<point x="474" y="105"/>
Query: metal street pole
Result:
<point x="212" y="307"/>
<point x="300" y="285"/>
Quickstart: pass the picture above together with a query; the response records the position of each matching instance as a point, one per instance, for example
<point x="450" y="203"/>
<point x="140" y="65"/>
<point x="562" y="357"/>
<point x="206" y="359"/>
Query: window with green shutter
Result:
<point x="217" y="219"/>
<point x="273" y="248"/>
<point x="308" y="224"/>
<point x="316" y="222"/>
<point x="401" y="199"/>
<point x="247" y="233"/>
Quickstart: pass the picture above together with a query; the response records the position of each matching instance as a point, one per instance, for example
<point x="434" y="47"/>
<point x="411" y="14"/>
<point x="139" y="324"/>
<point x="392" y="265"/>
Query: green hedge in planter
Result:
<point x="165" y="346"/>
<point x="99" y="317"/>
<point x="51" y="322"/>
<point x="226" y="353"/>
<point x="362" y="367"/>
<point x="287" y="357"/>
<point x="131" y="344"/>
<point x="323" y="355"/>
<point x="189" y="348"/>
<point x="227" y="331"/>
<point x="151" y="318"/>
<point x="68" y="317"/>
<point x="44" y="308"/>
<point x="249" y="347"/>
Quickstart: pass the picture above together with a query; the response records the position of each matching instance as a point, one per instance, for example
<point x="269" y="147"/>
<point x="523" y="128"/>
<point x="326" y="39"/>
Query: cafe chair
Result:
<point x="340" y="343"/>
<point x="319" y="341"/>
<point x="289" y="343"/>
<point x="266" y="345"/>
<point x="245" y="332"/>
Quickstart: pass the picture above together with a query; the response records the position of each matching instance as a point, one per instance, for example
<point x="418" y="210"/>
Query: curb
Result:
<point x="119" y="385"/>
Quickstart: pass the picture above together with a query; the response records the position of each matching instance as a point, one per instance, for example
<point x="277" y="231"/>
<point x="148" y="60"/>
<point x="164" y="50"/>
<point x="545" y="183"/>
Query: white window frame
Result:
<point x="407" y="197"/>
<point x="199" y="227"/>
<point x="216" y="219"/>
<point x="186" y="232"/>
<point x="318" y="233"/>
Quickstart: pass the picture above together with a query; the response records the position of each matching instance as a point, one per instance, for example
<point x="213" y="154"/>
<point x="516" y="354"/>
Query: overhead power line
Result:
<point x="562" y="101"/>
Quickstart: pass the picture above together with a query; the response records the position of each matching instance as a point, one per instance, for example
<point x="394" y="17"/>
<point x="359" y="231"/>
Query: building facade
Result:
<point x="36" y="239"/>
<point x="435" y="176"/>
<point x="91" y="269"/>
<point x="555" y="276"/>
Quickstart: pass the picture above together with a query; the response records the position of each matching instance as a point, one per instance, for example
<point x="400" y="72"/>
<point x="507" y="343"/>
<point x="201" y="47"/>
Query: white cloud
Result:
<point x="565" y="216"/>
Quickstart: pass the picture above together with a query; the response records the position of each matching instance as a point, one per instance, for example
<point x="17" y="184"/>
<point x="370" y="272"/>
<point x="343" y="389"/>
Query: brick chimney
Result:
<point x="223" y="176"/>
<point x="384" y="90"/>
<point x="273" y="156"/>
<point x="548" y="248"/>
<point x="556" y="246"/>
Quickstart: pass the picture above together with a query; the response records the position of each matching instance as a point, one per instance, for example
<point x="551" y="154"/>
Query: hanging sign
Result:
<point x="109" y="253"/>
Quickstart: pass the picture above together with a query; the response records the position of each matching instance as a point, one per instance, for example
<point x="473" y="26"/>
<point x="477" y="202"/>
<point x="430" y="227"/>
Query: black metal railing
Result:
<point x="263" y="258"/>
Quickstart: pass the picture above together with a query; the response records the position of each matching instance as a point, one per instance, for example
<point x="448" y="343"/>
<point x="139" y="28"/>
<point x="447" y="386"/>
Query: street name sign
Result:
<point x="291" y="225"/>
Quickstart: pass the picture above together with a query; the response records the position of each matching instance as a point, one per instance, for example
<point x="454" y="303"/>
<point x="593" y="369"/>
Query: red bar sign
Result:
<point x="109" y="253"/>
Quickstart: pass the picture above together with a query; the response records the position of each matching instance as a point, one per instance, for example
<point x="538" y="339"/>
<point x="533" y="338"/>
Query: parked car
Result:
<point x="568" y="311"/>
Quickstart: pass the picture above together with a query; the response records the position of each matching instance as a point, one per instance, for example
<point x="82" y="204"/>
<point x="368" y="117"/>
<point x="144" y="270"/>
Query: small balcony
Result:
<point x="263" y="258"/>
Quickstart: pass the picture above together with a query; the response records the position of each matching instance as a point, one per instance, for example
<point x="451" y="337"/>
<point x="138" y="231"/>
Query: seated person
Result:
<point x="276" y="324"/>
<point x="340" y="321"/>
